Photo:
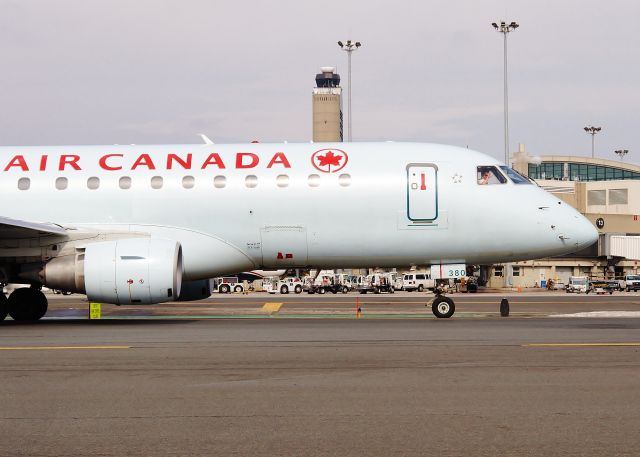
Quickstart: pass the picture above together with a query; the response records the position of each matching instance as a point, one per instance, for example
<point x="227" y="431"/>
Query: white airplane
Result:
<point x="149" y="224"/>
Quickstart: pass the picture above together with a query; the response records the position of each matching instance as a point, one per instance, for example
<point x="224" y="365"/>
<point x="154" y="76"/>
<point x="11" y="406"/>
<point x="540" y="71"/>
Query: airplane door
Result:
<point x="284" y="245"/>
<point x="422" y="192"/>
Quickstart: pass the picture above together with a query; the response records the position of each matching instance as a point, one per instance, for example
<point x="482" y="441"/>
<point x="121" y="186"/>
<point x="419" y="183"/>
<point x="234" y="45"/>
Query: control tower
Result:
<point x="327" y="106"/>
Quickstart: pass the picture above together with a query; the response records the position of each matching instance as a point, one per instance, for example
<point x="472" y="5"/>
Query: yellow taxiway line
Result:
<point x="579" y="344"/>
<point x="53" y="348"/>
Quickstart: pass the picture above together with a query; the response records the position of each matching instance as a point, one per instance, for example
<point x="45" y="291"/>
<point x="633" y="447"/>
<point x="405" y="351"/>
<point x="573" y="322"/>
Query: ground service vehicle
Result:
<point x="578" y="284"/>
<point x="377" y="283"/>
<point x="603" y="286"/>
<point x="630" y="282"/>
<point x="226" y="284"/>
<point x="327" y="281"/>
<point x="417" y="281"/>
<point x="130" y="224"/>
<point x="283" y="286"/>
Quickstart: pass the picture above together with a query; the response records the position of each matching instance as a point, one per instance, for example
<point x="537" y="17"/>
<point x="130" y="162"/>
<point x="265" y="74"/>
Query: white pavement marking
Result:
<point x="601" y="314"/>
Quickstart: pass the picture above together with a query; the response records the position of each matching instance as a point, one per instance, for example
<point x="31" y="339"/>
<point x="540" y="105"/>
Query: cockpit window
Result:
<point x="514" y="176"/>
<point x="490" y="175"/>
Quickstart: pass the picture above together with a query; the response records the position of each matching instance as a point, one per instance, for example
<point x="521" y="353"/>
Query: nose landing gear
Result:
<point x="441" y="306"/>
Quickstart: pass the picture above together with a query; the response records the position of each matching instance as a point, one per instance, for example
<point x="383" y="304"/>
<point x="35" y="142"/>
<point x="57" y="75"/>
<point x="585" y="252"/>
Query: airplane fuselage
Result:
<point x="240" y="207"/>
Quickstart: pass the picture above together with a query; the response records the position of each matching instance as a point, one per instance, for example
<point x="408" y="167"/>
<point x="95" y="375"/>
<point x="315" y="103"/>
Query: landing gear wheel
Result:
<point x="284" y="290"/>
<point x="443" y="307"/>
<point x="298" y="289"/>
<point x="27" y="304"/>
<point x="4" y="307"/>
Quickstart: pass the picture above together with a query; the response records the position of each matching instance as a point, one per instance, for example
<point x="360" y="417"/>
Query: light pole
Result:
<point x="505" y="28"/>
<point x="349" y="46"/>
<point x="621" y="153"/>
<point x="591" y="130"/>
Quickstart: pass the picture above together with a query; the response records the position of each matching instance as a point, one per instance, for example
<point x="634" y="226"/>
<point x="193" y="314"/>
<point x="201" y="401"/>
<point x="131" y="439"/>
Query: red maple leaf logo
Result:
<point x="329" y="161"/>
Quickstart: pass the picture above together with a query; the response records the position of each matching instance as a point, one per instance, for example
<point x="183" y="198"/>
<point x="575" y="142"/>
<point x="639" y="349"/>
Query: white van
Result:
<point x="417" y="281"/>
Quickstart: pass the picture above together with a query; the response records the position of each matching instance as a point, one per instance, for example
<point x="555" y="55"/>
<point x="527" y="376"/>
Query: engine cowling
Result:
<point x="133" y="271"/>
<point x="124" y="271"/>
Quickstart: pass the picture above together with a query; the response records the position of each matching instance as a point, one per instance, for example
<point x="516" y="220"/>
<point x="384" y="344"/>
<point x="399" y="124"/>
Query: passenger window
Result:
<point x="125" y="182"/>
<point x="219" y="182"/>
<point x="251" y="181"/>
<point x="157" y="182"/>
<point x="188" y="182"/>
<point x="514" y="176"/>
<point x="62" y="183"/>
<point x="314" y="180"/>
<point x="420" y="277"/>
<point x="344" y="180"/>
<point x="93" y="182"/>
<point x="282" y="180"/>
<point x="24" y="183"/>
<point x="490" y="175"/>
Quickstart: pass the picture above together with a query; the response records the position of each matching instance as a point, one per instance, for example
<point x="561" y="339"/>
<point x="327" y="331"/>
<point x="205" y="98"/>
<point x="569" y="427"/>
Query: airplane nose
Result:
<point x="584" y="232"/>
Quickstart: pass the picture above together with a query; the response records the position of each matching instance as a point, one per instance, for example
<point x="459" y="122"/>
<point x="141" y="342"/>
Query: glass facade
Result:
<point x="579" y="172"/>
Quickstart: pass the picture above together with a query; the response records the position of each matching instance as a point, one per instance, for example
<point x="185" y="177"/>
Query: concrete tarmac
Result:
<point x="478" y="385"/>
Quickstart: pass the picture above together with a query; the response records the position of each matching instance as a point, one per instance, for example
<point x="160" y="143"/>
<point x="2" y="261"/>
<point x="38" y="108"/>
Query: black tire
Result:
<point x="363" y="291"/>
<point x="27" y="304"/>
<point x="376" y="290"/>
<point x="392" y="290"/>
<point x="420" y="288"/>
<point x="224" y="289"/>
<point x="4" y="306"/>
<point x="284" y="290"/>
<point x="322" y="290"/>
<point x="238" y="289"/>
<point x="443" y="307"/>
<point x="345" y="290"/>
<point x="628" y="290"/>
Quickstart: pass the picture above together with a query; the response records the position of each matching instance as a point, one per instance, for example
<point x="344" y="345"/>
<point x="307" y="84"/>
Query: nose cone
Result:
<point x="584" y="233"/>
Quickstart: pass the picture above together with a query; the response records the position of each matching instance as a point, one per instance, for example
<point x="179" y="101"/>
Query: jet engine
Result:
<point x="124" y="271"/>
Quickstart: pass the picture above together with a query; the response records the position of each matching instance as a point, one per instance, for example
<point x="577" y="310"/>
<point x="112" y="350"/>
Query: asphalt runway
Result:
<point x="296" y="384"/>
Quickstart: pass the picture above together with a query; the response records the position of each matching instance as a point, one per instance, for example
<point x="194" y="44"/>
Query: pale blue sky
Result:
<point x="143" y="71"/>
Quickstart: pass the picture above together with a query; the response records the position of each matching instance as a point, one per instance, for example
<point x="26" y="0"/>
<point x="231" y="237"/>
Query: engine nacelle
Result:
<point x="133" y="271"/>
<point x="124" y="271"/>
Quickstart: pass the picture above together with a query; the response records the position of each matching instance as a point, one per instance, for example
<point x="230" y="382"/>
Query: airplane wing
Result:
<point x="11" y="229"/>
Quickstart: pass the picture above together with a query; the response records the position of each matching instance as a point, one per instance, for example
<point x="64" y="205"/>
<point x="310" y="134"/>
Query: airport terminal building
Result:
<point x="607" y="192"/>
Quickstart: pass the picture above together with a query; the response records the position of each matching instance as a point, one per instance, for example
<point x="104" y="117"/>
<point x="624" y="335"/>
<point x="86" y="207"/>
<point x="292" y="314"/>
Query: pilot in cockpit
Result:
<point x="485" y="176"/>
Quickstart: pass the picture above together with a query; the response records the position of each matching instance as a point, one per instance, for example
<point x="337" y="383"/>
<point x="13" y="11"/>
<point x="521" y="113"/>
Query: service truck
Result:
<point x="226" y="284"/>
<point x="630" y="282"/>
<point x="578" y="284"/>
<point x="283" y="286"/>
<point x="378" y="282"/>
